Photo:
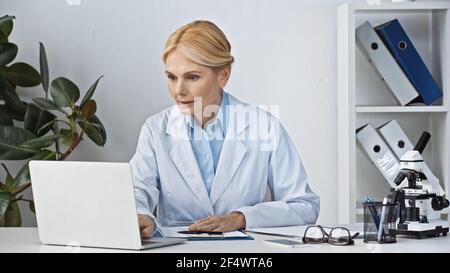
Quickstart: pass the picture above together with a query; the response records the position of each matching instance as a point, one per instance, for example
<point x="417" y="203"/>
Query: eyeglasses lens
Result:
<point x="339" y="236"/>
<point x="314" y="234"/>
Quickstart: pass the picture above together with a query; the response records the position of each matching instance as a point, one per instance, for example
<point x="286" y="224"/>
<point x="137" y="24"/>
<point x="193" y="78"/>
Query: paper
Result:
<point x="172" y="232"/>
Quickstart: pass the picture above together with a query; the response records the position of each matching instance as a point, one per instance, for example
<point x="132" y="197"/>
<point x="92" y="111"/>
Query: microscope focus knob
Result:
<point x="439" y="203"/>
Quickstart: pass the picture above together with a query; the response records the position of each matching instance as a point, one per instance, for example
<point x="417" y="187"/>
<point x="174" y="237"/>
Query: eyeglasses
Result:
<point x="337" y="236"/>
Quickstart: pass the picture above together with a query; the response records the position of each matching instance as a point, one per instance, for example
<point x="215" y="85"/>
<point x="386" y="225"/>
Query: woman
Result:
<point x="207" y="161"/>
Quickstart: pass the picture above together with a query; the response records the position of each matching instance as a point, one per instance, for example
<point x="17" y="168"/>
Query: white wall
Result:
<point x="285" y="54"/>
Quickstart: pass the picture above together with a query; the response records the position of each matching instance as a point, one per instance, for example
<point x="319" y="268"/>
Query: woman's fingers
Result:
<point x="220" y="228"/>
<point x="146" y="225"/>
<point x="201" y="226"/>
<point x="144" y="220"/>
<point x="225" y="223"/>
<point x="204" y="219"/>
<point x="147" y="232"/>
<point x="202" y="222"/>
<point x="208" y="227"/>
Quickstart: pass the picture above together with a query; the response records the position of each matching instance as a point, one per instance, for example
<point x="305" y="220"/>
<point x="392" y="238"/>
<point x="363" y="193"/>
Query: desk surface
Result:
<point x="27" y="240"/>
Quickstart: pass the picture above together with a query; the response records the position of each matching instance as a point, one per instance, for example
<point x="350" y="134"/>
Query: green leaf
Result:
<point x="14" y="135"/>
<point x="64" y="92"/>
<point x="36" y="118"/>
<point x="88" y="109"/>
<point x="44" y="66"/>
<point x="45" y="155"/>
<point x="23" y="74"/>
<point x="13" y="103"/>
<point x="5" y="117"/>
<point x="13" y="217"/>
<point x="5" y="197"/>
<point x="9" y="179"/>
<point x="23" y="176"/>
<point x="46" y="104"/>
<point x="31" y="206"/>
<point x="41" y="142"/>
<point x="90" y="92"/>
<point x="20" y="116"/>
<point x="6" y="169"/>
<point x="55" y="130"/>
<point x="6" y="18"/>
<point x="6" y="24"/>
<point x="10" y="139"/>
<point x="8" y="51"/>
<point x="3" y="38"/>
<point x="52" y="124"/>
<point x="9" y="182"/>
<point x="14" y="152"/>
<point x="94" y="130"/>
<point x="66" y="136"/>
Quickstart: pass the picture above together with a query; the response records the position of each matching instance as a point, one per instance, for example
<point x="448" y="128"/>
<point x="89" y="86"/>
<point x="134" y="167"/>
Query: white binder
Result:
<point x="379" y="152"/>
<point x="373" y="48"/>
<point x="397" y="140"/>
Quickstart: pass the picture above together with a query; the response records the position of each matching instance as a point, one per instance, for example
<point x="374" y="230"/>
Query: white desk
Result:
<point x="27" y="240"/>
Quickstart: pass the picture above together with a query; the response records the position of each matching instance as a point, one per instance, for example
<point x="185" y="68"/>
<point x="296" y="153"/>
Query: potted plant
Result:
<point x="34" y="130"/>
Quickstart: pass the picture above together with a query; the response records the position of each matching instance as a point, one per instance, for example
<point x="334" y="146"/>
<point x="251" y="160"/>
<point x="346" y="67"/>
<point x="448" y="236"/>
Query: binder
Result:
<point x="385" y="64"/>
<point x="399" y="143"/>
<point x="379" y="152"/>
<point x="403" y="50"/>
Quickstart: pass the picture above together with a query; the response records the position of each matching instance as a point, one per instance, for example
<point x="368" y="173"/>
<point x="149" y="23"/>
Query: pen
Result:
<point x="381" y="226"/>
<point x="373" y="212"/>
<point x="200" y="232"/>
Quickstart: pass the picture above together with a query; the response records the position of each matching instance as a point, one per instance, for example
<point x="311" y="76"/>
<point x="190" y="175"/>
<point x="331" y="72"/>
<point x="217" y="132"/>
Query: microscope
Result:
<point x="420" y="201"/>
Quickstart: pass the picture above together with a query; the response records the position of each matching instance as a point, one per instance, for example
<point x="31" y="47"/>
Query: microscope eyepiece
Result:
<point x="423" y="141"/>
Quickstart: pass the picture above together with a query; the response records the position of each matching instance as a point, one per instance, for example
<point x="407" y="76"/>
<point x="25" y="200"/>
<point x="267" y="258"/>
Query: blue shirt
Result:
<point x="207" y="144"/>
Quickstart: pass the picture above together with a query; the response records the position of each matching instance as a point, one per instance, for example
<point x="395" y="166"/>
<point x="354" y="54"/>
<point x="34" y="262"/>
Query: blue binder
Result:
<point x="400" y="46"/>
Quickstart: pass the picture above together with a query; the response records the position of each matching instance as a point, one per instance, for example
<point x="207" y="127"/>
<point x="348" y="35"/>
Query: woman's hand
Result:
<point x="230" y="222"/>
<point x="146" y="225"/>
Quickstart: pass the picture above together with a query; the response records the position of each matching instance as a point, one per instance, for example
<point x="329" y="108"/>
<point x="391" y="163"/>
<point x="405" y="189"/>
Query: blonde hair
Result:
<point x="201" y="42"/>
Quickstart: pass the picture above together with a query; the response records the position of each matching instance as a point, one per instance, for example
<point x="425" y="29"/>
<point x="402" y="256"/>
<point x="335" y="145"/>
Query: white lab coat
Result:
<point x="167" y="177"/>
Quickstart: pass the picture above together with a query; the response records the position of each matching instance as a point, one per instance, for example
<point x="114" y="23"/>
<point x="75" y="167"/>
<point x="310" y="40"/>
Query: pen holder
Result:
<point x="379" y="221"/>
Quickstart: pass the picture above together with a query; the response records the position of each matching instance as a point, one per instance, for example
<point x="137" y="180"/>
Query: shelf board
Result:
<point x="401" y="109"/>
<point x="439" y="5"/>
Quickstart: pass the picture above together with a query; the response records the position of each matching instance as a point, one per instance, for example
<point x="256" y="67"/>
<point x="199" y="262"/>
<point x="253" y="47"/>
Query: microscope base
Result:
<point x="422" y="230"/>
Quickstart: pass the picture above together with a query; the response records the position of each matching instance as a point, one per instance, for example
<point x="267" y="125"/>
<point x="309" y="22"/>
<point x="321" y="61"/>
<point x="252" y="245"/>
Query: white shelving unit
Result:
<point x="364" y="98"/>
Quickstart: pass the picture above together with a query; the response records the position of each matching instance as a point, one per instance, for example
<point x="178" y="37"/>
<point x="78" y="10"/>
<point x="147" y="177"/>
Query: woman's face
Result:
<point x="189" y="81"/>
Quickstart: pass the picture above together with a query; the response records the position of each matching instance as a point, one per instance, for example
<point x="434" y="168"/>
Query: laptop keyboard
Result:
<point x="148" y="243"/>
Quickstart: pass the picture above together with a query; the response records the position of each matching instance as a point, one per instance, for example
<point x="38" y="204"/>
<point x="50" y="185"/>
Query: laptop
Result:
<point x="89" y="204"/>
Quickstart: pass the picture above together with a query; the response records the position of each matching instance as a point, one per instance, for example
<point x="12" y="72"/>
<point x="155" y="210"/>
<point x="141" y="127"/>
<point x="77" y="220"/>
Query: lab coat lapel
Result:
<point x="183" y="157"/>
<point x="233" y="150"/>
